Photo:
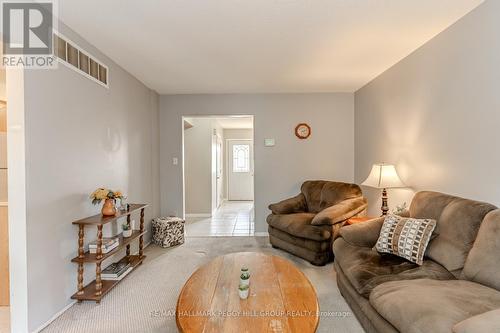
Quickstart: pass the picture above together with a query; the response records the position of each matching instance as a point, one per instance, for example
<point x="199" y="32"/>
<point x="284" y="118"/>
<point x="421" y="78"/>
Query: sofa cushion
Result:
<point x="458" y="221"/>
<point x="315" y="258"/>
<point x="321" y="194"/>
<point x="483" y="263"/>
<point x="299" y="225"/>
<point x="311" y="190"/>
<point x="365" y="268"/>
<point x="336" y="192"/>
<point x="340" y="211"/>
<point x="363" y="234"/>
<point x="425" y="305"/>
<point x="297" y="204"/>
<point x="405" y="237"/>
<point x="484" y="322"/>
<point x="312" y="245"/>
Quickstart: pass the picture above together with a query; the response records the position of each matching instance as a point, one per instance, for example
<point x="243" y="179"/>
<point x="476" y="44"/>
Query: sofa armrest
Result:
<point x="340" y="212"/>
<point x="296" y="204"/>
<point x="363" y="234"/>
<point x="484" y="322"/>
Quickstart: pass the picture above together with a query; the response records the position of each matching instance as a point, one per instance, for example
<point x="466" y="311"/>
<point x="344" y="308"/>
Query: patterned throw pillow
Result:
<point x="405" y="237"/>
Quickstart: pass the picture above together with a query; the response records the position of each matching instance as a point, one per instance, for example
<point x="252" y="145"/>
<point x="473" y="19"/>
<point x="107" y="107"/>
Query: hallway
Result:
<point x="233" y="218"/>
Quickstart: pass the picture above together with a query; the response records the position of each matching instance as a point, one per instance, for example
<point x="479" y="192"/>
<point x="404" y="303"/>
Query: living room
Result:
<point x="363" y="95"/>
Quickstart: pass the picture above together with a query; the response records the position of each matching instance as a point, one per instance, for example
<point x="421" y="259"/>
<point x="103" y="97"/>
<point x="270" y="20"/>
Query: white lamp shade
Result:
<point x="383" y="176"/>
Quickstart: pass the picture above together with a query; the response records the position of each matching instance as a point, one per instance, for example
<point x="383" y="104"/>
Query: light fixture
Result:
<point x="383" y="176"/>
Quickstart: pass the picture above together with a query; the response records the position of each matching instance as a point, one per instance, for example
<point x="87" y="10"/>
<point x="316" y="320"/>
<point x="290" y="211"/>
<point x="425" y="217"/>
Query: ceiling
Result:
<point x="259" y="46"/>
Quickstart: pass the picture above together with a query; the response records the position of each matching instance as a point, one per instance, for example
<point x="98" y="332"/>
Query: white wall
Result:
<point x="436" y="114"/>
<point x="16" y="163"/>
<point x="327" y="154"/>
<point x="238" y="133"/>
<point x="3" y="84"/>
<point x="3" y="97"/>
<point x="198" y="166"/>
<point x="80" y="136"/>
<point x="233" y="134"/>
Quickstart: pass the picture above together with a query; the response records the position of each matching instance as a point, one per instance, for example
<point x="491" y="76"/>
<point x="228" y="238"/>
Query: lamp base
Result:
<point x="385" y="206"/>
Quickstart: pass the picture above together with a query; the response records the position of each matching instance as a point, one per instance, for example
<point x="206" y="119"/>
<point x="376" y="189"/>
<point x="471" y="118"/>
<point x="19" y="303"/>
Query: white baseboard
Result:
<point x="199" y="215"/>
<point x="48" y="322"/>
<point x="261" y="234"/>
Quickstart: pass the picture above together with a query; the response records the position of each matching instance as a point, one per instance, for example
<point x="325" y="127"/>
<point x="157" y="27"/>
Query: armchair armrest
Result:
<point x="340" y="212"/>
<point x="296" y="204"/>
<point x="484" y="322"/>
<point x="363" y="234"/>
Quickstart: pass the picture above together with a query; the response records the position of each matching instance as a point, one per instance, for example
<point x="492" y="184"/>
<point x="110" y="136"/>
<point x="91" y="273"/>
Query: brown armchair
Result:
<point x="307" y="224"/>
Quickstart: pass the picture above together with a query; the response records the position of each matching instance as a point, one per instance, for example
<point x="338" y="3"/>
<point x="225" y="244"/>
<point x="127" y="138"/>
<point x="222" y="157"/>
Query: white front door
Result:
<point x="240" y="170"/>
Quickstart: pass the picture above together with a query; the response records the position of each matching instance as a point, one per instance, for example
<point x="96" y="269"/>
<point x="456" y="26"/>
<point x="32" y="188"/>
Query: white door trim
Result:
<point x="219" y="171"/>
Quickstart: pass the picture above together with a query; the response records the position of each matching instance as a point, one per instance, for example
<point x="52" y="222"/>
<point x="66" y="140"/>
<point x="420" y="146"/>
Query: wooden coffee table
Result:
<point x="281" y="298"/>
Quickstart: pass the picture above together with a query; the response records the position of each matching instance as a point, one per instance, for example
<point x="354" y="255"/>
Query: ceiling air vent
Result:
<point x="77" y="59"/>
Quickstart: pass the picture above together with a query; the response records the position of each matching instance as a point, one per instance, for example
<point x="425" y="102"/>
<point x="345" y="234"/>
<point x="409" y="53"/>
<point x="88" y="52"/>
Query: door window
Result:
<point x="241" y="158"/>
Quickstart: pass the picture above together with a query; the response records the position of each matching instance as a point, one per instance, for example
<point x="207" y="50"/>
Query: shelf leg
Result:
<point x="81" y="255"/>
<point x="99" y="242"/>
<point x="81" y="233"/>
<point x="128" y="246"/>
<point x="80" y="278"/>
<point x="98" y="282"/>
<point x="141" y="238"/>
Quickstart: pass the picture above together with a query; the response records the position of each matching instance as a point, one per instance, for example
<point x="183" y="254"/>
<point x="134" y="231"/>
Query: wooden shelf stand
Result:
<point x="95" y="290"/>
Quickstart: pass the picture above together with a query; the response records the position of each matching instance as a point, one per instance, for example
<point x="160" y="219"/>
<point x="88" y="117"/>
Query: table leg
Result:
<point x="141" y="238"/>
<point x="98" y="282"/>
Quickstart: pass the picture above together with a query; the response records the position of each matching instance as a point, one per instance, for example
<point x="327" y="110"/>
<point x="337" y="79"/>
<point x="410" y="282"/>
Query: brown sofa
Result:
<point x="457" y="289"/>
<point x="305" y="225"/>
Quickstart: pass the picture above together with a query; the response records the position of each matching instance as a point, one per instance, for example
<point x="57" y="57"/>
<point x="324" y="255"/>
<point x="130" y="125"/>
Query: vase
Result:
<point x="127" y="233"/>
<point x="108" y="209"/>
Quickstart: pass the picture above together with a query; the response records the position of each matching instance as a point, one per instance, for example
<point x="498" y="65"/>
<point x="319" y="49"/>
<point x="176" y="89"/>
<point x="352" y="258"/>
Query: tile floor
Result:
<point x="233" y="218"/>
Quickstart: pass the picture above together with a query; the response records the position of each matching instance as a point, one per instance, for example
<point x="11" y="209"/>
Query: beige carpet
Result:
<point x="145" y="300"/>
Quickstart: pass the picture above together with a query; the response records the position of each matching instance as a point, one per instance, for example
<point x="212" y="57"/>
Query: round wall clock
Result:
<point x="303" y="131"/>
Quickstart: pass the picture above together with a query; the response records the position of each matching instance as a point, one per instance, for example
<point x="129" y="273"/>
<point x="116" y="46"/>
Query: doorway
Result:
<point x="218" y="174"/>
